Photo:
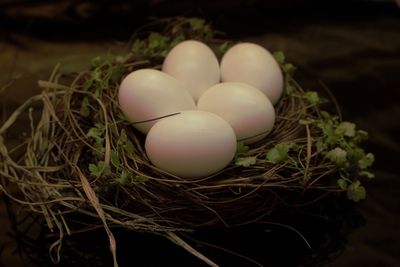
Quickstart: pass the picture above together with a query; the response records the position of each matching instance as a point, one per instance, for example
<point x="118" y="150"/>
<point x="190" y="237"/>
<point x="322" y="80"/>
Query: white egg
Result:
<point x="253" y="64"/>
<point x="249" y="112"/>
<point x="192" y="144"/>
<point x="195" y="64"/>
<point x="148" y="94"/>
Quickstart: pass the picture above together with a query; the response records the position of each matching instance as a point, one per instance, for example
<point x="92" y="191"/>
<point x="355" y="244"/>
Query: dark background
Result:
<point x="352" y="46"/>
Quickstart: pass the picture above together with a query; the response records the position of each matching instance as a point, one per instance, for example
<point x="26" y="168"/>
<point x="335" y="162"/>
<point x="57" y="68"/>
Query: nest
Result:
<point x="83" y="165"/>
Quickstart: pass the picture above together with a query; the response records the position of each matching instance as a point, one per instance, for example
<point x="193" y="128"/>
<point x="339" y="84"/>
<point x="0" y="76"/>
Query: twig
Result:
<point x="91" y="195"/>
<point x="180" y="242"/>
<point x="333" y="98"/>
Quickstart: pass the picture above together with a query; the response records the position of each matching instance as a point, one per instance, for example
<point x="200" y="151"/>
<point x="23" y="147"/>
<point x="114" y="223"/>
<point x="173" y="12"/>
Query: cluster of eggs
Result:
<point x="195" y="110"/>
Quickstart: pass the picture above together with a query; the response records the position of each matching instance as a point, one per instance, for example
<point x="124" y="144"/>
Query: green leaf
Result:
<point x="367" y="174"/>
<point x="125" y="177"/>
<point x="85" y="107"/>
<point x="306" y="121"/>
<point x="126" y="143"/>
<point x="360" y="136"/>
<point x="289" y="88"/>
<point x="101" y="169"/>
<point x="279" y="57"/>
<point x="87" y="84"/>
<point x="120" y="59"/>
<point x="223" y="47"/>
<point x="196" y="23"/>
<point x="177" y="40"/>
<point x="325" y="115"/>
<point x="208" y="32"/>
<point x="288" y="68"/>
<point x="129" y="148"/>
<point x="96" y="132"/>
<point x="346" y="128"/>
<point x="366" y="161"/>
<point x="157" y="44"/>
<point x="312" y="97"/>
<point x="356" y="191"/>
<point x="246" y="161"/>
<point x="337" y="156"/>
<point x="123" y="137"/>
<point x="137" y="45"/>
<point x="116" y="73"/>
<point x="97" y="61"/>
<point x="99" y="84"/>
<point x="156" y="40"/>
<point x="279" y="152"/>
<point x="241" y="148"/>
<point x="327" y="127"/>
<point x="96" y="75"/>
<point x="139" y="179"/>
<point x="342" y="183"/>
<point x="115" y="159"/>
<point x="320" y="145"/>
<point x="100" y="126"/>
<point x="355" y="154"/>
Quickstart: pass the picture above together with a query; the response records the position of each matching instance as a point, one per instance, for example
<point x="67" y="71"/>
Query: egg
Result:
<point x="192" y="144"/>
<point x="147" y="94"/>
<point x="253" y="64"/>
<point x="249" y="112"/>
<point x="195" y="64"/>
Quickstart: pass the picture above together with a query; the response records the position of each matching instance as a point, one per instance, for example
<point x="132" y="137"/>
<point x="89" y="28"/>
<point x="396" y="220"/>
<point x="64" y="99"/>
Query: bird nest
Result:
<point x="83" y="165"/>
